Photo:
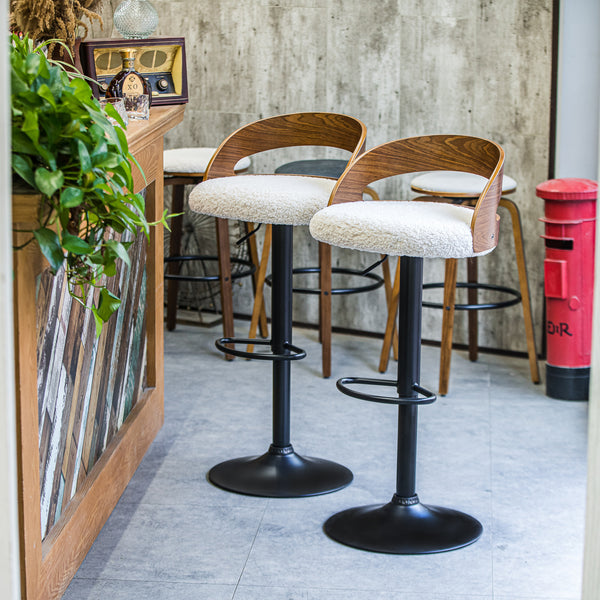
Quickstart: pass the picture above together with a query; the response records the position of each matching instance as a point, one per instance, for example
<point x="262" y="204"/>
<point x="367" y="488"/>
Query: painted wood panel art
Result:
<point x="86" y="385"/>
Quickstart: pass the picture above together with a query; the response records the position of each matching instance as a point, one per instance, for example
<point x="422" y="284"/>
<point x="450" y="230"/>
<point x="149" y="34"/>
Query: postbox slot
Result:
<point x="559" y="243"/>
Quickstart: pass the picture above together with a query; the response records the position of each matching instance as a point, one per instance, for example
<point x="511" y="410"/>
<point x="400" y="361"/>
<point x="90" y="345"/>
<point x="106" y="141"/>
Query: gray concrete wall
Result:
<point x="404" y="67"/>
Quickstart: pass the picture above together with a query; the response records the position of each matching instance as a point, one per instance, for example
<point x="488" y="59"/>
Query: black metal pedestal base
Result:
<point x="397" y="528"/>
<point x="280" y="473"/>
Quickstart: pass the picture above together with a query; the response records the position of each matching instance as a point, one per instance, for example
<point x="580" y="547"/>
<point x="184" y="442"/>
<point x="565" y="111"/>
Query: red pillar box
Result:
<point x="570" y="219"/>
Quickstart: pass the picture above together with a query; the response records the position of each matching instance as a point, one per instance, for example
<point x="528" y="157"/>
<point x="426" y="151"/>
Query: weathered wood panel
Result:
<point x="86" y="385"/>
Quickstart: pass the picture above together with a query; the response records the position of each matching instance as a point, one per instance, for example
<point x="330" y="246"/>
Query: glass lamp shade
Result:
<point x="135" y="19"/>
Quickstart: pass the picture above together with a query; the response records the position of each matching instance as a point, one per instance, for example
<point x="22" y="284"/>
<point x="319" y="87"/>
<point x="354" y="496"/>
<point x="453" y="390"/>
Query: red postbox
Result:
<point x="570" y="222"/>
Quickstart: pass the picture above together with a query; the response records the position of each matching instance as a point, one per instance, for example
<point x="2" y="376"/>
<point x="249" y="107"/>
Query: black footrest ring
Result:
<point x="378" y="281"/>
<point x="478" y="286"/>
<point x="298" y="353"/>
<point x="427" y="397"/>
<point x="243" y="272"/>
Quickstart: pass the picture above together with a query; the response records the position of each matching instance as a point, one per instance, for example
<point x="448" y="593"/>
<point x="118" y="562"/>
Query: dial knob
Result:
<point x="162" y="84"/>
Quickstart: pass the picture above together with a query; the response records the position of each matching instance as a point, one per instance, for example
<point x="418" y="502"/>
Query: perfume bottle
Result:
<point x="128" y="83"/>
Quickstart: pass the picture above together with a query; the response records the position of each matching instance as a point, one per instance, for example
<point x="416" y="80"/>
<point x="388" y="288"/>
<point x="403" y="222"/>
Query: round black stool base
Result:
<point x="397" y="529"/>
<point x="280" y="473"/>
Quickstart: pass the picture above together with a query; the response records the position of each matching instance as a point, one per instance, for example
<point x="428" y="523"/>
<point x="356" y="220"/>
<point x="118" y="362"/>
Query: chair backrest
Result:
<point x="296" y="129"/>
<point x="433" y="153"/>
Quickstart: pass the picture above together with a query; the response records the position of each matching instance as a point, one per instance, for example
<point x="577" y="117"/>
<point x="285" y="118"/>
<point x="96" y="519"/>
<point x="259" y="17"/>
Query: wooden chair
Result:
<point x="331" y="168"/>
<point x="412" y="231"/>
<point x="463" y="188"/>
<point x="283" y="201"/>
<point x="187" y="166"/>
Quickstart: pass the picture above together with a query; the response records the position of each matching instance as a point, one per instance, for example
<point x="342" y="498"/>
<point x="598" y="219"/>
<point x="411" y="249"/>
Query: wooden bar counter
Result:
<point x="50" y="555"/>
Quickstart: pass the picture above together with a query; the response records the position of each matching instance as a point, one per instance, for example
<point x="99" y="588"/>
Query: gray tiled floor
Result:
<point x="495" y="447"/>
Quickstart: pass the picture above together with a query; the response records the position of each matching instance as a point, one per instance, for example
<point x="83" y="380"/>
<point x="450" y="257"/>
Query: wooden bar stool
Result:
<point x="463" y="188"/>
<point x="283" y="201"/>
<point x="331" y="168"/>
<point x="186" y="166"/>
<point x="412" y="231"/>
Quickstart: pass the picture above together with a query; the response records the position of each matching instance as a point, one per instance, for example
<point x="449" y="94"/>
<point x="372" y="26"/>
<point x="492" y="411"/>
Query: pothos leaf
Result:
<point x="50" y="247"/>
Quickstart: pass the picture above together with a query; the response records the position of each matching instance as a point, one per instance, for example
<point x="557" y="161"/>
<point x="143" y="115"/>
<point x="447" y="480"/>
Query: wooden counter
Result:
<point x="48" y="565"/>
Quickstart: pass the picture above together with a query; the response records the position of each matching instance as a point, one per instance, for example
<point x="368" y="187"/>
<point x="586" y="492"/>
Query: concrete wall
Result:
<point x="404" y="67"/>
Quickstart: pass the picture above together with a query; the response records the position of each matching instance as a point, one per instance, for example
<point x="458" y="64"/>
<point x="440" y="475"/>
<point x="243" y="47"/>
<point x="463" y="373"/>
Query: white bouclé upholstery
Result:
<point x="467" y="185"/>
<point x="427" y="229"/>
<point x="193" y="160"/>
<point x="275" y="199"/>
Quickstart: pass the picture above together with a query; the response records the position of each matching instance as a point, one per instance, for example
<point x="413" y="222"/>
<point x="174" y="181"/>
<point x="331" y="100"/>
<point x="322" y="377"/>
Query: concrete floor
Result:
<point x="496" y="447"/>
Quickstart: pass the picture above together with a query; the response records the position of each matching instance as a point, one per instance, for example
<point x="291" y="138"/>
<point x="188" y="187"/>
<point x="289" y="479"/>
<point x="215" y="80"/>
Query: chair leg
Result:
<point x="222" y="226"/>
<point x="253" y="252"/>
<point x="259" y="297"/>
<point x="524" y="287"/>
<point x="404" y="525"/>
<point x="280" y="472"/>
<point x="389" y="337"/>
<point x="389" y="287"/>
<point x="447" y="324"/>
<point x="174" y="250"/>
<point x="472" y="314"/>
<point x="325" y="307"/>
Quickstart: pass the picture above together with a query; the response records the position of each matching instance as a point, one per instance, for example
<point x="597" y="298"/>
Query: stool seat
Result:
<point x="426" y="229"/>
<point x="455" y="184"/>
<point x="274" y="199"/>
<point x="193" y="160"/>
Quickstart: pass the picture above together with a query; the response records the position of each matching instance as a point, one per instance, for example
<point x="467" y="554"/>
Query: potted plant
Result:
<point x="65" y="148"/>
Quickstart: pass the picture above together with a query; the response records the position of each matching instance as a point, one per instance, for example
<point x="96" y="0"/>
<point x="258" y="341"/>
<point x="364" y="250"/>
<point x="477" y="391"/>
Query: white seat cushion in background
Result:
<point x="275" y="199"/>
<point x="427" y="229"/>
<point x="193" y="160"/>
<point x="457" y="182"/>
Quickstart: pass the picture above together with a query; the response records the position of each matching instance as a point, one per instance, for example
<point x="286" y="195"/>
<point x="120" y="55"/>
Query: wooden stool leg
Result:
<point x="390" y="327"/>
<point x="259" y="297"/>
<point x="174" y="250"/>
<point x="253" y="252"/>
<point x="472" y="314"/>
<point x="524" y="286"/>
<point x="447" y="324"/>
<point x="222" y="226"/>
<point x="325" y="306"/>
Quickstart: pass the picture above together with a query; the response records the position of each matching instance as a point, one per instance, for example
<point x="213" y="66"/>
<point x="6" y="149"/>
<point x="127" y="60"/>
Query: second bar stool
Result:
<point x="283" y="201"/>
<point x="412" y="231"/>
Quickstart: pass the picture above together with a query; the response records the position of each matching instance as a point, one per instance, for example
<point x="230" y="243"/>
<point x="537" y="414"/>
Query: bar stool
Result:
<point x="331" y="168"/>
<point x="412" y="231"/>
<point x="283" y="201"/>
<point x="464" y="188"/>
<point x="186" y="166"/>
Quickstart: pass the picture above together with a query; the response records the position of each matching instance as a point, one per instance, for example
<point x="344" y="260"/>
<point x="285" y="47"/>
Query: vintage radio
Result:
<point x="160" y="60"/>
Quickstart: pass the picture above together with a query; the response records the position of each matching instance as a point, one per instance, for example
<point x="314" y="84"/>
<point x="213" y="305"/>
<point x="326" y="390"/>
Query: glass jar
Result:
<point x="135" y="19"/>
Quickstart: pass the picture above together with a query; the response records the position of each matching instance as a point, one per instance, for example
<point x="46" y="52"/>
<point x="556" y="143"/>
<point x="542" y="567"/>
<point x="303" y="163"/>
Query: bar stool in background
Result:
<point x="412" y="231"/>
<point x="283" y="201"/>
<point x="464" y="189"/>
<point x="186" y="166"/>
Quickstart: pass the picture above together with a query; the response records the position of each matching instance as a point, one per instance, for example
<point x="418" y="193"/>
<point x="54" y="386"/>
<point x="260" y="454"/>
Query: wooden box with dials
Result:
<point x="160" y="60"/>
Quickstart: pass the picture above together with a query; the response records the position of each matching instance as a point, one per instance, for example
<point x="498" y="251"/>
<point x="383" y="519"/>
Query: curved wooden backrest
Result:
<point x="296" y="129"/>
<point x="433" y="153"/>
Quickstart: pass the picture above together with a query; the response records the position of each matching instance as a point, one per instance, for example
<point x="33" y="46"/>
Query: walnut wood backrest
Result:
<point x="296" y="129"/>
<point x="433" y="153"/>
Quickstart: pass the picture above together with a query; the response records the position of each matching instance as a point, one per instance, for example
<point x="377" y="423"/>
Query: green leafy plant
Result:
<point x="64" y="146"/>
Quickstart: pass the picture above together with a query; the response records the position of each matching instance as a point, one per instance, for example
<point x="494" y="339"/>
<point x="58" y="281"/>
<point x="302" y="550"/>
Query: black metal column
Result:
<point x="281" y="332"/>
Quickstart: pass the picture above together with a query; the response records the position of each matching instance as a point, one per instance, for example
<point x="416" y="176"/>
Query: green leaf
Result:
<point x="119" y="250"/>
<point x="45" y="92"/>
<point x="71" y="197"/>
<point x="75" y="245"/>
<point x="50" y="247"/>
<point x="84" y="157"/>
<point x="23" y="169"/>
<point x="32" y="65"/>
<point x="30" y="126"/>
<point x="48" y="181"/>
